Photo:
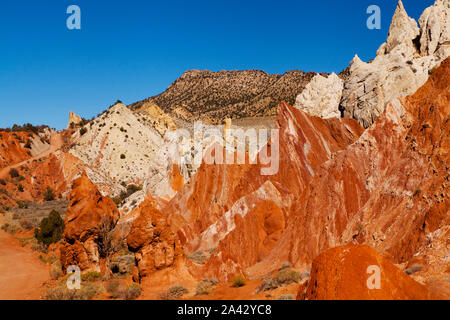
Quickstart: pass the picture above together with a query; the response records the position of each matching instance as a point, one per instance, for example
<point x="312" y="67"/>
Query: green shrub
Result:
<point x="83" y="131"/>
<point x="49" y="194"/>
<point x="51" y="229"/>
<point x="13" y="173"/>
<point x="283" y="277"/>
<point x="238" y="281"/>
<point x="91" y="276"/>
<point x="287" y="276"/>
<point x="432" y="70"/>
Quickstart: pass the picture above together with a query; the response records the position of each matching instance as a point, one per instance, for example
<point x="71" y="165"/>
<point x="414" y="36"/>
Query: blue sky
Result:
<point x="133" y="49"/>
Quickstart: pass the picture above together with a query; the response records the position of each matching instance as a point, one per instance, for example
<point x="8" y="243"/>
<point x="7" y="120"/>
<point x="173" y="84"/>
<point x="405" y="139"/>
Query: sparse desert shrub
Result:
<point x="286" y="297"/>
<point x="122" y="156"/>
<point x="287" y="276"/>
<point x="238" y="281"/>
<point x="174" y="293"/>
<point x="205" y="286"/>
<point x="130" y="292"/>
<point x="61" y="292"/>
<point x="3" y="182"/>
<point x="198" y="257"/>
<point x="286" y="265"/>
<point x="11" y="229"/>
<point x="432" y="70"/>
<point x="283" y="277"/>
<point x="20" y="188"/>
<point x="91" y="276"/>
<point x="22" y="204"/>
<point x="49" y="194"/>
<point x="414" y="268"/>
<point x="50" y="229"/>
<point x="112" y="287"/>
<point x="55" y="272"/>
<point x="13" y="173"/>
<point x="39" y="247"/>
<point x="28" y="224"/>
<point x="83" y="131"/>
<point x="50" y="259"/>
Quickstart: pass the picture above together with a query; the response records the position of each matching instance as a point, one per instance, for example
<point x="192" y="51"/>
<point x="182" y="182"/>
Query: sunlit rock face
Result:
<point x="402" y="64"/>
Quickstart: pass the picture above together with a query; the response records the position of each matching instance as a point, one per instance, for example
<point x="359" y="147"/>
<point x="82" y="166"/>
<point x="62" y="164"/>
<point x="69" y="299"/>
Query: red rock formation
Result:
<point x="348" y="273"/>
<point x="389" y="189"/>
<point x="12" y="148"/>
<point x="156" y="247"/>
<point x="89" y="215"/>
<point x="305" y="143"/>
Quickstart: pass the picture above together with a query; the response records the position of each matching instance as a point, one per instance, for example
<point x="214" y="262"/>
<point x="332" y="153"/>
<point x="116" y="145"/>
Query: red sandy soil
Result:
<point x="22" y="274"/>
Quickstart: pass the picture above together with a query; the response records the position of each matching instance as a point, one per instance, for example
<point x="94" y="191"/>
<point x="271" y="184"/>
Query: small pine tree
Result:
<point x="49" y="194"/>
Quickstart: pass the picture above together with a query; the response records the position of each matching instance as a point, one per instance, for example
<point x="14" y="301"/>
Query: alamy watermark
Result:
<point x="374" y="281"/>
<point x="73" y="22"/>
<point x="74" y="280"/>
<point x="374" y="20"/>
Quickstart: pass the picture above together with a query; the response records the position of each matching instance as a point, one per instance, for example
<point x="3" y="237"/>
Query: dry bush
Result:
<point x="61" y="292"/>
<point x="174" y="293"/>
<point x="286" y="297"/>
<point x="238" y="281"/>
<point x="118" y="291"/>
<point x="283" y="277"/>
<point x="91" y="276"/>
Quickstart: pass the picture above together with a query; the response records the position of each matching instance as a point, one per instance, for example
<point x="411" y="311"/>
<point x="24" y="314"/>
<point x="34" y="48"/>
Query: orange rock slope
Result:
<point x="387" y="188"/>
<point x="350" y="273"/>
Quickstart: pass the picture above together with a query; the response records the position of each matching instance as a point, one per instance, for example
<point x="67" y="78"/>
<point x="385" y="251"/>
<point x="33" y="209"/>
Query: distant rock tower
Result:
<point x="73" y="120"/>
<point x="227" y="125"/>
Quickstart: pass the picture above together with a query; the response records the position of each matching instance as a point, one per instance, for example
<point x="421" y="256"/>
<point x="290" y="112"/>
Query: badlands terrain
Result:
<point x="362" y="184"/>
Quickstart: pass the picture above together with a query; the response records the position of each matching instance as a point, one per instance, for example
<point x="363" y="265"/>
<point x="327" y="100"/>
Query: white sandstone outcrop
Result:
<point x="321" y="96"/>
<point x="402" y="64"/>
<point x="126" y="150"/>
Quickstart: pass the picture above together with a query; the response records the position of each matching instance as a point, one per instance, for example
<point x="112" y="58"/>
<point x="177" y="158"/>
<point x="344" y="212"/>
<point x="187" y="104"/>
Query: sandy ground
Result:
<point x="22" y="274"/>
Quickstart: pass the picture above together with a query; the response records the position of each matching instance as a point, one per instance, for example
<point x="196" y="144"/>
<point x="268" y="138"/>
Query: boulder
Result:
<point x="155" y="246"/>
<point x="349" y="273"/>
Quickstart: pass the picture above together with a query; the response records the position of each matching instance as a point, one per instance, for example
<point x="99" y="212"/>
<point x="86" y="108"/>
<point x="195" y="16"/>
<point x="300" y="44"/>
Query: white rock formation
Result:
<point x="126" y="150"/>
<point x="402" y="64"/>
<point x="321" y="96"/>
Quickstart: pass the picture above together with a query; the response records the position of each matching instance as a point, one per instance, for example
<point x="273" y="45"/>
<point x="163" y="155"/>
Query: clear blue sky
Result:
<point x="132" y="49"/>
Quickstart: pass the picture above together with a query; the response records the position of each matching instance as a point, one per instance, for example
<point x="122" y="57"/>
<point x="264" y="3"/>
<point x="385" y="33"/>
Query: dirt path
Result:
<point x="56" y="143"/>
<point x="22" y="274"/>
